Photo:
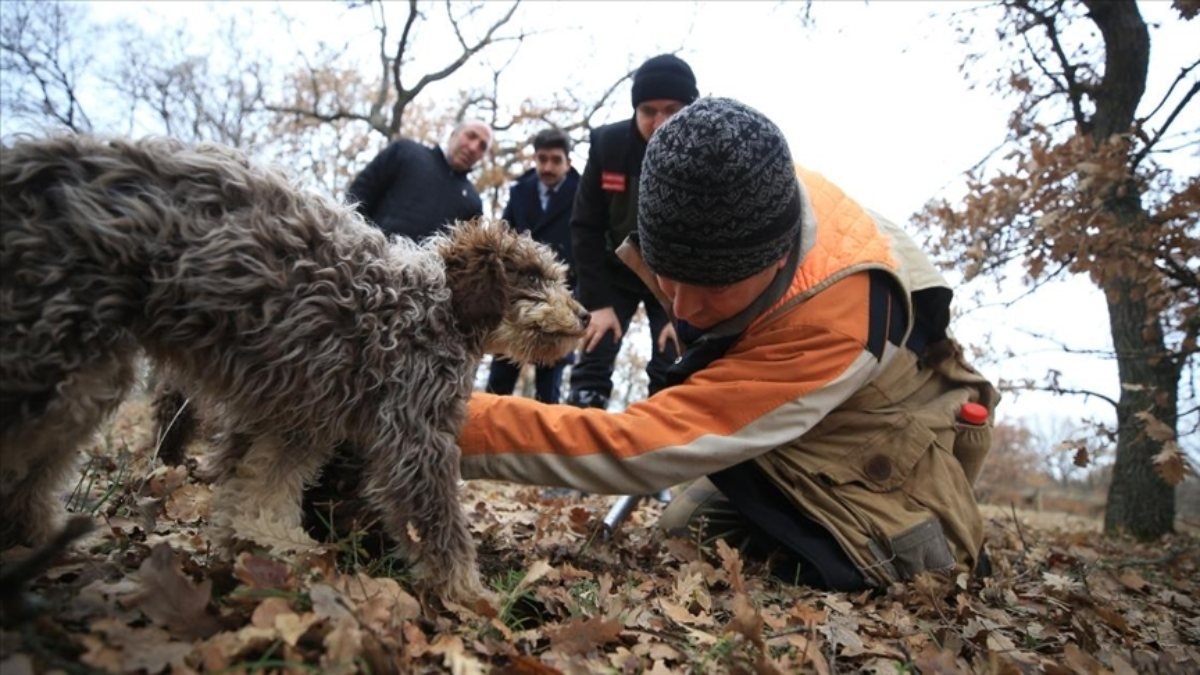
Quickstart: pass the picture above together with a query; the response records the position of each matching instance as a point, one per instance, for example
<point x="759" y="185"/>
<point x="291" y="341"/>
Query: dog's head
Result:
<point x="511" y="289"/>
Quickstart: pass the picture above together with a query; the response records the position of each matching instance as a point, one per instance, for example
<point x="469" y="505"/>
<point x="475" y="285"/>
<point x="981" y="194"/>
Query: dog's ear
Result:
<point x="474" y="254"/>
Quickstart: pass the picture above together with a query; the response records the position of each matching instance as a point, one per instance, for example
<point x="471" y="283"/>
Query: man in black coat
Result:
<point x="540" y="203"/>
<point x="413" y="190"/>
<point x="605" y="213"/>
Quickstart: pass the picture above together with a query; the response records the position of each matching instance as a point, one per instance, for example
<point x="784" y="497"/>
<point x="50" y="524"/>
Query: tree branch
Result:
<point x="1073" y="90"/>
<point x="313" y="114"/>
<point x="1183" y="72"/>
<point x="1161" y="130"/>
<point x="470" y="51"/>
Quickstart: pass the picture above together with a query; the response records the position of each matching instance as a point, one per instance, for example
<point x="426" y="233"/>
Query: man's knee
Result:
<point x="686" y="514"/>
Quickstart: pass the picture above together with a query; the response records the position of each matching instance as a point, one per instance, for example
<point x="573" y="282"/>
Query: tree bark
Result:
<point x="1139" y="501"/>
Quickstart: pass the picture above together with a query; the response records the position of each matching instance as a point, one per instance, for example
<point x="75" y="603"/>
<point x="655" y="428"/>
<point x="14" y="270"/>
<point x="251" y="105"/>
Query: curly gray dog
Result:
<point x="284" y="310"/>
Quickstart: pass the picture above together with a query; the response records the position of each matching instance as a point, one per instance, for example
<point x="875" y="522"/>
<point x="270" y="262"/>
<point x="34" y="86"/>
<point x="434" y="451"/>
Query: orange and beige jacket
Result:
<point x="859" y="433"/>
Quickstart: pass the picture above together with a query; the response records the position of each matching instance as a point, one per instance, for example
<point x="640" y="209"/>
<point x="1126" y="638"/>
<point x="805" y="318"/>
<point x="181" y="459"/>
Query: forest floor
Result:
<point x="143" y="593"/>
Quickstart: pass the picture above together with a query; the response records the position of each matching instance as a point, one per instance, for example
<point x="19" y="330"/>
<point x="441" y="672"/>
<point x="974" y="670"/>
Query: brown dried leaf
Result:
<point x="1155" y="428"/>
<point x="579" y="636"/>
<point x="189" y="503"/>
<point x="680" y="614"/>
<point x="264" y="615"/>
<point x="520" y="664"/>
<point x="731" y="561"/>
<point x="171" y="600"/>
<point x="1133" y="581"/>
<point x="262" y="573"/>
<point x="1170" y="464"/>
<point x="1080" y="661"/>
<point x="342" y="645"/>
<point x="1082" y="458"/>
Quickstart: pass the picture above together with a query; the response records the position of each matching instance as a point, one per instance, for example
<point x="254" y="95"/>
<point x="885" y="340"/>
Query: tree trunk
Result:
<point x="1139" y="501"/>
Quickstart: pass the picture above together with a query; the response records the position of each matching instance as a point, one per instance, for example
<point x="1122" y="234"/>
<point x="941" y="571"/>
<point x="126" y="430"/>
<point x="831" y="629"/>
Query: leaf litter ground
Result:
<point x="144" y="593"/>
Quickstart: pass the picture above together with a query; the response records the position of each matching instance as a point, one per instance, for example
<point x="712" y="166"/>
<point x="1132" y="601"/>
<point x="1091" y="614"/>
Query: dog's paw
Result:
<point x="279" y="537"/>
<point x="466" y="589"/>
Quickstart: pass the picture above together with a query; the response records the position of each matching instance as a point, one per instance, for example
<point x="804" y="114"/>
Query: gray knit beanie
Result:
<point x="718" y="199"/>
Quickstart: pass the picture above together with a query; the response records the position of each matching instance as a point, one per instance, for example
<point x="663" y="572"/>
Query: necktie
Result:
<point x="546" y="199"/>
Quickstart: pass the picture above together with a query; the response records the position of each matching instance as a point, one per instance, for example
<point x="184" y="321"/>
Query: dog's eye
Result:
<point x="533" y="278"/>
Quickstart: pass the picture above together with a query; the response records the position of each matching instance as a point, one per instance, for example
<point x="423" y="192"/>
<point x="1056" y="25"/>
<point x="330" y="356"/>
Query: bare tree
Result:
<point x="196" y="96"/>
<point x="45" y="53"/>
<point x="1081" y="190"/>
<point x="383" y="108"/>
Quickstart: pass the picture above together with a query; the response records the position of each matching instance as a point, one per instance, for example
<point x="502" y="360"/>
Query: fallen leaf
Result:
<point x="679" y="614"/>
<point x="342" y="645"/>
<point x="263" y="573"/>
<point x="1133" y="581"/>
<point x="520" y="664"/>
<point x="579" y="636"/>
<point x="292" y="626"/>
<point x="189" y="503"/>
<point x="264" y="615"/>
<point x="1081" y="662"/>
<point x="327" y="603"/>
<point x="171" y="600"/>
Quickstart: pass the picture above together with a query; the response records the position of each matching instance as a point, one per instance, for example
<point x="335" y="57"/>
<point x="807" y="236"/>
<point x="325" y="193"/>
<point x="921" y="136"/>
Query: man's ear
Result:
<point x="474" y="257"/>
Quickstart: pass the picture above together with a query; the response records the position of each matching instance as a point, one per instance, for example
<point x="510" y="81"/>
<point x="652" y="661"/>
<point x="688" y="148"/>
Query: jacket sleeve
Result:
<point x="369" y="186"/>
<point x="768" y="390"/>
<point x="589" y="224"/>
<point x="510" y="209"/>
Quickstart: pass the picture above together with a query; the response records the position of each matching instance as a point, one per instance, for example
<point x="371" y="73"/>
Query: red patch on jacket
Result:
<point x="611" y="181"/>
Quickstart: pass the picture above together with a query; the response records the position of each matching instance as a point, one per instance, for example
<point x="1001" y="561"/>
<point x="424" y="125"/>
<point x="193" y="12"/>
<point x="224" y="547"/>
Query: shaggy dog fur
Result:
<point x="283" y="310"/>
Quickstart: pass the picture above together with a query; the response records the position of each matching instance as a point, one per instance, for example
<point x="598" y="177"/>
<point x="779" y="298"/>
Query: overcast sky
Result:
<point x="871" y="96"/>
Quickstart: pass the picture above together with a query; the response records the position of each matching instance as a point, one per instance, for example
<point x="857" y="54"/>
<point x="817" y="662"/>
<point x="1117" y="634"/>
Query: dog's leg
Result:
<point x="174" y="421"/>
<point x="414" y="488"/>
<point x="259" y="499"/>
<point x="38" y="456"/>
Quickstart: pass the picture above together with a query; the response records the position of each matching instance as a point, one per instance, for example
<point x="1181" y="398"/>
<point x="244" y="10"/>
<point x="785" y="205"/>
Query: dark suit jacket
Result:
<point x="552" y="226"/>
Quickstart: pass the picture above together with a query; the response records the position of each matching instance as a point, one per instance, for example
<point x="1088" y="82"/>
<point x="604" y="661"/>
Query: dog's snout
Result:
<point x="585" y="317"/>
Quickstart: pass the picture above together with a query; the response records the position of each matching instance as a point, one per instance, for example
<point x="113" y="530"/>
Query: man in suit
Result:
<point x="539" y="203"/>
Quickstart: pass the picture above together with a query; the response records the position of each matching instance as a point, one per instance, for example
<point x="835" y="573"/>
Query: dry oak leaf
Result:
<point x="261" y="573"/>
<point x="520" y="664"/>
<point x="342" y="645"/>
<point x="1133" y="581"/>
<point x="580" y="636"/>
<point x="189" y="503"/>
<point x="1156" y="429"/>
<point x="454" y="656"/>
<point x="680" y="614"/>
<point x="1170" y="464"/>
<point x="171" y="600"/>
<point x="129" y="650"/>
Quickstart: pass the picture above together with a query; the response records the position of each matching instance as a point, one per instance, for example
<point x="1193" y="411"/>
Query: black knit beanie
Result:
<point x="664" y="76"/>
<point x="718" y="199"/>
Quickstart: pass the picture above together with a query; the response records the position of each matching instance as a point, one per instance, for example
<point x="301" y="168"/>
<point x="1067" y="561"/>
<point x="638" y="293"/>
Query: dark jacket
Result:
<point x="409" y="189"/>
<point x="552" y="226"/>
<point x="605" y="212"/>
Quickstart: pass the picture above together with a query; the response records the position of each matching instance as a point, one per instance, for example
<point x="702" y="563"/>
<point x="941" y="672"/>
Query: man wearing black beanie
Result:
<point x="605" y="213"/>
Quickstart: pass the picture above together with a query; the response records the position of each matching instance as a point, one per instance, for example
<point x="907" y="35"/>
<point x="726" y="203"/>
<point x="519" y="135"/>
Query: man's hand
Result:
<point x="603" y="320"/>
<point x="668" y="335"/>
